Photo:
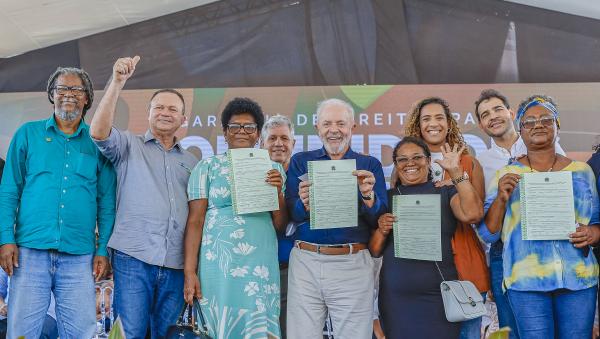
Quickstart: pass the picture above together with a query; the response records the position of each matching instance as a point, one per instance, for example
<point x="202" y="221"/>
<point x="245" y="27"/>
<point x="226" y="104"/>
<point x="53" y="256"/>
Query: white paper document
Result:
<point x="418" y="227"/>
<point x="250" y="193"/>
<point x="333" y="194"/>
<point x="547" y="205"/>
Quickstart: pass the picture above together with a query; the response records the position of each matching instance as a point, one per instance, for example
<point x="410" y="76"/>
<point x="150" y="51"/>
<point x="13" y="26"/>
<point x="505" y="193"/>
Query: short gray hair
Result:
<point x="276" y="121"/>
<point x="335" y="102"/>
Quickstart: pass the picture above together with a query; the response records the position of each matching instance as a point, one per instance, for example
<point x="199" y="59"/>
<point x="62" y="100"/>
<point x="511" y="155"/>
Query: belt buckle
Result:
<point x="318" y="248"/>
<point x="351" y="249"/>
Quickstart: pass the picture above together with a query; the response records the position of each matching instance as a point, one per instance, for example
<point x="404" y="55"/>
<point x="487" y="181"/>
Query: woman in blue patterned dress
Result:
<point x="551" y="284"/>
<point x="238" y="272"/>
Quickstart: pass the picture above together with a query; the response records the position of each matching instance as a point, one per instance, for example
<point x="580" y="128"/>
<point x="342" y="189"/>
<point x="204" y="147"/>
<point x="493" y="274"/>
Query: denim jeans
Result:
<point x="146" y="295"/>
<point x="471" y="329"/>
<point x="3" y="328"/>
<point x="560" y="314"/>
<point x="70" y="279"/>
<point x="50" y="328"/>
<point x="505" y="313"/>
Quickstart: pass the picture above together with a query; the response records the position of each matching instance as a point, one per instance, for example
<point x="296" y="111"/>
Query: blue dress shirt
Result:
<point x="367" y="217"/>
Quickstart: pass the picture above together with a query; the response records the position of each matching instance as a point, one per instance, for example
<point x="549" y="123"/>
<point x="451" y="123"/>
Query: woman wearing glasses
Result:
<point x="410" y="302"/>
<point x="231" y="260"/>
<point x="551" y="284"/>
<point x="430" y="120"/>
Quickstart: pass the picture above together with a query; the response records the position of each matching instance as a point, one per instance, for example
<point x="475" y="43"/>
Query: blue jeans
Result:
<point x="146" y="295"/>
<point x="471" y="329"/>
<point x="560" y="314"/>
<point x="50" y="328"/>
<point x="3" y="328"/>
<point x="70" y="279"/>
<point x="505" y="313"/>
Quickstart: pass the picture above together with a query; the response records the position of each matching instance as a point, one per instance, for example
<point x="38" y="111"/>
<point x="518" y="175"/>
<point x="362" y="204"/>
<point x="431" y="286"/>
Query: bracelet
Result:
<point x="460" y="179"/>
<point x="369" y="197"/>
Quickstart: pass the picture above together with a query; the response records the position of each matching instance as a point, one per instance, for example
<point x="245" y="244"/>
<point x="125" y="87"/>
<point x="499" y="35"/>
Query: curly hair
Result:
<point x="85" y="80"/>
<point x="241" y="106"/>
<point x="413" y="127"/>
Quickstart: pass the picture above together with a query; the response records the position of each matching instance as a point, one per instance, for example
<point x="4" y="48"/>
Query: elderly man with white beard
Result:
<point x="331" y="271"/>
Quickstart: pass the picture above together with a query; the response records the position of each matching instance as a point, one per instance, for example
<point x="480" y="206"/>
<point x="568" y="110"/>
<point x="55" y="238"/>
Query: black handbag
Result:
<point x="186" y="326"/>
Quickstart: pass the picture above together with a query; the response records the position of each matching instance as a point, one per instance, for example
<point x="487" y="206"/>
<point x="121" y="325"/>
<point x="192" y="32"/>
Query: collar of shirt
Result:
<point x="51" y="123"/>
<point x="350" y="154"/>
<point x="149" y="137"/>
<point x="501" y="150"/>
<point x="516" y="150"/>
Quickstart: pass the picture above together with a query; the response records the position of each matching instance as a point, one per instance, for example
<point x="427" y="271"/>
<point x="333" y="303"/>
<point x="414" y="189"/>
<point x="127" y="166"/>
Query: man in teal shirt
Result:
<point x="56" y="188"/>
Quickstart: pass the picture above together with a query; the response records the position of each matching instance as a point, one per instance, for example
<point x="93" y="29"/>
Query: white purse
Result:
<point x="462" y="300"/>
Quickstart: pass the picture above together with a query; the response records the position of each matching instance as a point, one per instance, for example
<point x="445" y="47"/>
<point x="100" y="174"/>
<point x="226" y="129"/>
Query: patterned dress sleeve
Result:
<point x="198" y="184"/>
<point x="278" y="167"/>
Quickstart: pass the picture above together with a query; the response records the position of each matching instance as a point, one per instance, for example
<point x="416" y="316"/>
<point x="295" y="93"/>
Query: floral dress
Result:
<point x="238" y="267"/>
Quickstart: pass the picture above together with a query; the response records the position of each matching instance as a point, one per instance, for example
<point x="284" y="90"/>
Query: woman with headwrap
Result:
<point x="551" y="284"/>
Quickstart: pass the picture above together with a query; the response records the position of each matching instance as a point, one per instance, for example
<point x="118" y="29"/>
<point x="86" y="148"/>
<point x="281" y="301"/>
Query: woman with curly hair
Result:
<point x="231" y="260"/>
<point x="430" y="119"/>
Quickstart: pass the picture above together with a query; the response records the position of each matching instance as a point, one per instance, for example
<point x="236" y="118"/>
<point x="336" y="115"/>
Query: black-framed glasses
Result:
<point x="545" y="121"/>
<point x="236" y="128"/>
<point x="404" y="160"/>
<point x="77" y="91"/>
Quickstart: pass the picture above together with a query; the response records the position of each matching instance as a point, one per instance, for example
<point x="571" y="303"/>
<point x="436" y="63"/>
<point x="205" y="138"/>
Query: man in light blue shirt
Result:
<point x="152" y="175"/>
<point x="56" y="188"/>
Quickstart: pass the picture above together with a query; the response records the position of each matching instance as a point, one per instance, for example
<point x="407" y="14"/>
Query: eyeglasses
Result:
<point x="235" y="128"/>
<point x="404" y="160"/>
<point x="77" y="91"/>
<point x="545" y="121"/>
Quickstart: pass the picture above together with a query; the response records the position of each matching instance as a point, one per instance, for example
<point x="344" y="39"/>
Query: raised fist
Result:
<point x="124" y="67"/>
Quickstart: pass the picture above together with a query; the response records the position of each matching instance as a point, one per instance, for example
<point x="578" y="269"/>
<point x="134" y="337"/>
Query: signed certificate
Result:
<point x="333" y="194"/>
<point x="547" y="205"/>
<point x="418" y="229"/>
<point x="250" y="193"/>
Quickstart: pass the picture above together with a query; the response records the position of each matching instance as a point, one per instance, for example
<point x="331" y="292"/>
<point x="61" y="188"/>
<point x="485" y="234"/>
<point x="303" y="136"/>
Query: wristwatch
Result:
<point x="368" y="197"/>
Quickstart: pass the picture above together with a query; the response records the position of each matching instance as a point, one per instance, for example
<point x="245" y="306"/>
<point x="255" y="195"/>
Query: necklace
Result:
<point x="550" y="170"/>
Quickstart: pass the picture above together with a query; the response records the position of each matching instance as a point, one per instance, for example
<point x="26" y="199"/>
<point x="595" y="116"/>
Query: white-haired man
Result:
<point x="277" y="136"/>
<point x="331" y="271"/>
